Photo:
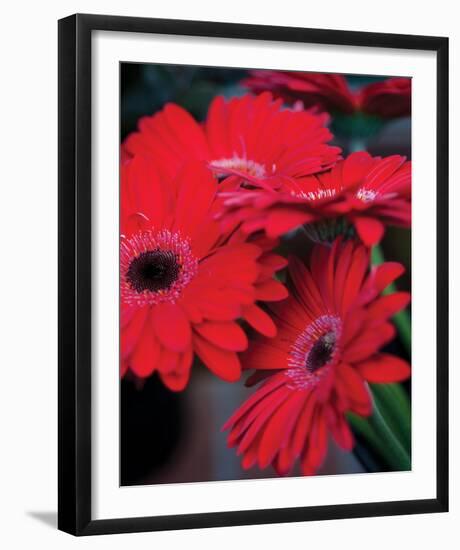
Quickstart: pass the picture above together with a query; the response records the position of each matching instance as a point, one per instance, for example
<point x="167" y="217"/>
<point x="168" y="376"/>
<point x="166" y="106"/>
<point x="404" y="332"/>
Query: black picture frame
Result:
<point x="74" y="496"/>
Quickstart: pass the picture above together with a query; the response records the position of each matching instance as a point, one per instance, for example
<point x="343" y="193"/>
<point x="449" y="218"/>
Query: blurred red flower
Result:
<point x="360" y="194"/>
<point x="248" y="137"/>
<point x="390" y="98"/>
<point x="183" y="285"/>
<point x="330" y="331"/>
<point x="331" y="92"/>
<point x="327" y="91"/>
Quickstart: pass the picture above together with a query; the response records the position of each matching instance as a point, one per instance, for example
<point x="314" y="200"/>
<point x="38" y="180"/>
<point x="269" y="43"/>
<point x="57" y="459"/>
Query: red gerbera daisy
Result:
<point x="389" y="98"/>
<point x="249" y="137"/>
<point x="183" y="285"/>
<point x="360" y="194"/>
<point x="330" y="331"/>
<point x="327" y="91"/>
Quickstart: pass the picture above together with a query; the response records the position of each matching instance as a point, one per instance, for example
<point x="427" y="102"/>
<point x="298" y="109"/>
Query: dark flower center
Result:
<point x="315" y="351"/>
<point x="153" y="270"/>
<point x="321" y="352"/>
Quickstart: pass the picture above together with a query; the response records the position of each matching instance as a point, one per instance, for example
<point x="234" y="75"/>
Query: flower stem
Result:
<point x="395" y="453"/>
<point x="394" y="405"/>
<point x="378" y="433"/>
<point x="402" y="318"/>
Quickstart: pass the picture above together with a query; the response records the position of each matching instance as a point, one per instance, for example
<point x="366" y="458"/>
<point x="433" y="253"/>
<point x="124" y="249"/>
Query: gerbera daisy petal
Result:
<point x="368" y="342"/>
<point x="385" y="274"/>
<point x="282" y="220"/>
<point x="379" y="278"/>
<point x="139" y="181"/>
<point x="354" y="278"/>
<point x="342" y="433"/>
<point x="217" y="119"/>
<point x="386" y="306"/>
<point x="123" y="368"/>
<point x="126" y="314"/>
<point x="224" y="364"/>
<point x="383" y="170"/>
<point x="354" y="384"/>
<point x="271" y="291"/>
<point x="191" y="134"/>
<point x="300" y="435"/>
<point x="271" y="261"/>
<point x="187" y="219"/>
<point x="259" y="320"/>
<point x="130" y="333"/>
<point x="265" y="355"/>
<point x="317" y="444"/>
<point x="370" y="230"/>
<point x="269" y="386"/>
<point x="250" y="456"/>
<point x="287" y="444"/>
<point x="355" y="167"/>
<point x="384" y="368"/>
<point x="255" y="417"/>
<point x="306" y="288"/>
<point x="165" y="316"/>
<point x="274" y="433"/>
<point x="168" y="361"/>
<point x="283" y="462"/>
<point x="177" y="378"/>
<point x="258" y="418"/>
<point x="146" y="354"/>
<point x="226" y="335"/>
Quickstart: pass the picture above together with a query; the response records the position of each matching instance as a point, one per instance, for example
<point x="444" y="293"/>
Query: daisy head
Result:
<point x="327" y="348"/>
<point x="358" y="197"/>
<point x="389" y="98"/>
<point x="254" y="139"/>
<point x="184" y="285"/>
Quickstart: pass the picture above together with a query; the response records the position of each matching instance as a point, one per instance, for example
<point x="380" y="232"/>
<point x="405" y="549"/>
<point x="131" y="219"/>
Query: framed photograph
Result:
<point x="253" y="274"/>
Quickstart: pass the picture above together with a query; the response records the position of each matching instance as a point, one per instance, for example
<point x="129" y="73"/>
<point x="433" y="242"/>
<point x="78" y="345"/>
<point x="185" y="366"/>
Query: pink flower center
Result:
<point x="366" y="195"/>
<point x="314" y="351"/>
<point x="239" y="164"/>
<point x="315" y="195"/>
<point x="155" y="267"/>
